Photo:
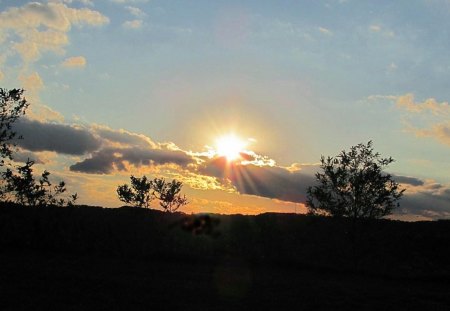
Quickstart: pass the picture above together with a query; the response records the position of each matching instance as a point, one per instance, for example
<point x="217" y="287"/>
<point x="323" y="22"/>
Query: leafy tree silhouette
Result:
<point x="12" y="105"/>
<point x="142" y="191"/>
<point x="24" y="189"/>
<point x="353" y="184"/>
<point x="21" y="187"/>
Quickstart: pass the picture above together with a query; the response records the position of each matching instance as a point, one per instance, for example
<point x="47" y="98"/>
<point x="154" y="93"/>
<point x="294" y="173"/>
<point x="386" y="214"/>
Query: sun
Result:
<point x="230" y="146"/>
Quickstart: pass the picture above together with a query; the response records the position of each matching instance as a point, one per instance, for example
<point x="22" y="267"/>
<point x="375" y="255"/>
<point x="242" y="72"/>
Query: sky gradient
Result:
<point x="120" y="87"/>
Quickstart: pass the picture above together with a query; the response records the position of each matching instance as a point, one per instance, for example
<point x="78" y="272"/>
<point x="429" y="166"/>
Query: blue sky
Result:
<point x="300" y="78"/>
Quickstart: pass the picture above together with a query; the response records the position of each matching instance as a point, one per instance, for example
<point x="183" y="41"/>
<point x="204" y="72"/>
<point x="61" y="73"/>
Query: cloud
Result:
<point x="74" y="62"/>
<point x="428" y="118"/>
<point x="109" y="151"/>
<point x="23" y="156"/>
<point x="61" y="138"/>
<point x="34" y="29"/>
<point x="430" y="112"/>
<point x="134" y="24"/>
<point x="381" y="30"/>
<point x="44" y="27"/>
<point x="408" y="180"/>
<point x="407" y="103"/>
<point x="266" y="181"/>
<point x="325" y="31"/>
<point x="121" y="137"/>
<point x="430" y="200"/>
<point x="108" y="160"/>
<point x="32" y="83"/>
<point x="375" y="28"/>
<point x="440" y="132"/>
<point x="1" y="76"/>
<point x="422" y="197"/>
<point x="135" y="11"/>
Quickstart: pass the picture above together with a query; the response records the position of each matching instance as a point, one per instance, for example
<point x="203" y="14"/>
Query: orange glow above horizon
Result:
<point x="230" y="146"/>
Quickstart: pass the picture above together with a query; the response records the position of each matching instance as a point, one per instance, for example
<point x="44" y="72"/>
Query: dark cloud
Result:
<point x="101" y="162"/>
<point x="430" y="200"/>
<point x="408" y="180"/>
<point x="61" y="138"/>
<point x="24" y="156"/>
<point x="111" y="149"/>
<point x="429" y="204"/>
<point x="123" y="137"/>
<point x="107" y="160"/>
<point x="265" y="181"/>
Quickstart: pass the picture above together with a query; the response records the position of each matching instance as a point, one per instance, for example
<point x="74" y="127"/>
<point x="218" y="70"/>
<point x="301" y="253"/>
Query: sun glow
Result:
<point x="230" y="147"/>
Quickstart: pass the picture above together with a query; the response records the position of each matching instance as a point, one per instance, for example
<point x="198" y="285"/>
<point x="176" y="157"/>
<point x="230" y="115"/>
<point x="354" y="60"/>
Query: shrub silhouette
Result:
<point x="142" y="191"/>
<point x="353" y="185"/>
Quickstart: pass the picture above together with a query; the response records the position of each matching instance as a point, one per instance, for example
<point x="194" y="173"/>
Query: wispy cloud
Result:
<point x="135" y="11"/>
<point x="74" y="62"/>
<point x="381" y="30"/>
<point x="407" y="103"/>
<point x="325" y="31"/>
<point x="430" y="112"/>
<point x="428" y="118"/>
<point x="133" y="24"/>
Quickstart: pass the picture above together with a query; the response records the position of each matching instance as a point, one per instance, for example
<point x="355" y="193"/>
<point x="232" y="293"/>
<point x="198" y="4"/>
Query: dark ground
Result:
<point x="61" y="259"/>
<point x="45" y="281"/>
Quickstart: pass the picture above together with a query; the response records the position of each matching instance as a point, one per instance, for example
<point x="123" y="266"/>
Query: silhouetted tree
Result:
<point x="354" y="185"/>
<point x="22" y="188"/>
<point x="142" y="191"/>
<point x="12" y="106"/>
<point x="168" y="194"/>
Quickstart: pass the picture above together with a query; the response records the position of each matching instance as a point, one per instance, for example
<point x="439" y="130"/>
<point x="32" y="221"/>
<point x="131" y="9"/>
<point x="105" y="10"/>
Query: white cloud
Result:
<point x="134" y="24"/>
<point x="37" y="28"/>
<point x="1" y="76"/>
<point x="74" y="62"/>
<point x="44" y="27"/>
<point x="135" y="11"/>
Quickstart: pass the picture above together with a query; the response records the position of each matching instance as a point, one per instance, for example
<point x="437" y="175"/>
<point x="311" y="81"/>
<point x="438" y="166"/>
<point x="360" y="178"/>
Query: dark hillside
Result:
<point x="127" y="252"/>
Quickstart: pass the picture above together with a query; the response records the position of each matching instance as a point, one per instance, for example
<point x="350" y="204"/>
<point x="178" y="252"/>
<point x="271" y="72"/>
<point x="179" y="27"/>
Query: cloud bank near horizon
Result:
<point x="104" y="151"/>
